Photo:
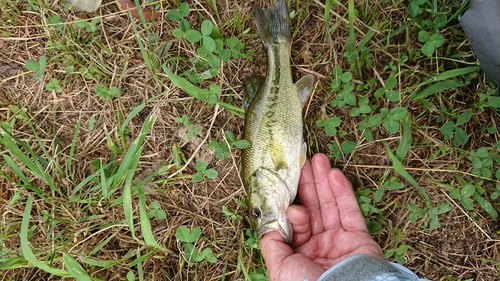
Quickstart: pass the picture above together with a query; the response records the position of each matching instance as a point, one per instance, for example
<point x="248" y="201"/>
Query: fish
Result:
<point x="273" y="105"/>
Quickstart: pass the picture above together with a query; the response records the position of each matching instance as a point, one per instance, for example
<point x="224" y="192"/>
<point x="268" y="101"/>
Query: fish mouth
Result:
<point x="278" y="222"/>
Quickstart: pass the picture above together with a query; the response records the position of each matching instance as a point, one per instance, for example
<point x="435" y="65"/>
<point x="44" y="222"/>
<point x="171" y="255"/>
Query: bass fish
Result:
<point x="271" y="164"/>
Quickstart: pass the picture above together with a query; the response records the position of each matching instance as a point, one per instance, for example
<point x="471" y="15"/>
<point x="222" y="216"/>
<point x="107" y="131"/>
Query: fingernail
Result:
<point x="300" y="209"/>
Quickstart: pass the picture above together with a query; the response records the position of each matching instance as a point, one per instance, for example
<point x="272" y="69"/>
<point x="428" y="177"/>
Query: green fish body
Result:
<point x="273" y="125"/>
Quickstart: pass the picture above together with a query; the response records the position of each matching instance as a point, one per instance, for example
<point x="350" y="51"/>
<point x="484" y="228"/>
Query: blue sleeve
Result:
<point x="368" y="268"/>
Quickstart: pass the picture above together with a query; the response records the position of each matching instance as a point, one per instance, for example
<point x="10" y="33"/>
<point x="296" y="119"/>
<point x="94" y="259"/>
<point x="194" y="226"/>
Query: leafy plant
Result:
<point x="363" y="107"/>
<point x="330" y="125"/>
<point x="343" y="83"/>
<point x="430" y="215"/>
<point x="55" y="21"/>
<point x="38" y="66"/>
<point x="398" y="253"/>
<point x="368" y="209"/>
<point x="222" y="148"/>
<point x="390" y="117"/>
<point x="214" y="47"/>
<point x="53" y="85"/>
<point x="431" y="42"/>
<point x="394" y="184"/>
<point x="470" y="193"/>
<point x="387" y="90"/>
<point x="230" y="214"/>
<point x="464" y="195"/>
<point x="184" y="120"/>
<point x="105" y="92"/>
<point x="481" y="162"/>
<point x="452" y="130"/>
<point x="201" y="167"/>
<point x="253" y="239"/>
<point x="414" y="7"/>
<point x="156" y="211"/>
<point x="89" y="26"/>
<point x="192" y="254"/>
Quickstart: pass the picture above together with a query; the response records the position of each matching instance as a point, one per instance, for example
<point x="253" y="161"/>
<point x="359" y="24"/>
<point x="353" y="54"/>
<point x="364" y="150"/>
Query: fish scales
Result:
<point x="273" y="127"/>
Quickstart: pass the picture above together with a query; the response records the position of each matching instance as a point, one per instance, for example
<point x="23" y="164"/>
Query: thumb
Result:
<point x="299" y="218"/>
<point x="275" y="250"/>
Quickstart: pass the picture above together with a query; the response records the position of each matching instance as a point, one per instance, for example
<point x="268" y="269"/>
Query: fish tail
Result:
<point x="273" y="25"/>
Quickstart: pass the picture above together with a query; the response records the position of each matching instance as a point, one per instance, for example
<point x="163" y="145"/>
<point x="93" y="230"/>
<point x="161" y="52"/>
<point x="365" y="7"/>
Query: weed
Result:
<point x="89" y="26"/>
<point x="184" y="120"/>
<point x="451" y="130"/>
<point x="252" y="239"/>
<point x="53" y="85"/>
<point x="105" y="92"/>
<point x="38" y="66"/>
<point x="398" y="253"/>
<point x="202" y="171"/>
<point x="156" y="211"/>
<point x="481" y="162"/>
<point x="429" y="215"/>
<point x="222" y="148"/>
<point x="330" y="125"/>
<point x="431" y="42"/>
<point x="191" y="253"/>
<point x="214" y="47"/>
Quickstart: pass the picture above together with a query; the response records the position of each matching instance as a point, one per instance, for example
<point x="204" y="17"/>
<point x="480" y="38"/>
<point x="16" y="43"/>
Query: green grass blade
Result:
<point x="104" y="183"/>
<point x="8" y="263"/>
<point x="99" y="263"/>
<point x="400" y="169"/>
<point x="35" y="167"/>
<point x="16" y="169"/>
<point x="103" y="243"/>
<point x="130" y="116"/>
<point x="352" y="34"/>
<point x="146" y="224"/>
<point x="436" y="88"/>
<point x="127" y="199"/>
<point x="25" y="248"/>
<point x="144" y="220"/>
<point x="75" y="268"/>
<point x="405" y="142"/>
<point x="77" y="188"/>
<point x="140" y="258"/>
<point x="196" y="92"/>
<point x="69" y="167"/>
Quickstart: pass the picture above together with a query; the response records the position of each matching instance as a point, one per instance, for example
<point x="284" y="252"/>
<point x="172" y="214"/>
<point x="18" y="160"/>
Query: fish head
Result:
<point x="268" y="201"/>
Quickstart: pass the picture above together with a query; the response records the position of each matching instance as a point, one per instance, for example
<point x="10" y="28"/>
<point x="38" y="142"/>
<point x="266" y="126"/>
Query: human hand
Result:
<point x="327" y="228"/>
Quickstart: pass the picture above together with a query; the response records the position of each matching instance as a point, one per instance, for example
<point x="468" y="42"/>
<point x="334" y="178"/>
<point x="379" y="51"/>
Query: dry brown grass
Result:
<point x="464" y="246"/>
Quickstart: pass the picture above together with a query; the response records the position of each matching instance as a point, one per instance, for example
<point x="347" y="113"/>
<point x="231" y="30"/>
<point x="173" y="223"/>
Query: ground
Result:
<point x="104" y="142"/>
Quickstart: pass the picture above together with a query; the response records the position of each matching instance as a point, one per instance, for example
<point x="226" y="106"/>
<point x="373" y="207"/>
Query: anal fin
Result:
<point x="304" y="87"/>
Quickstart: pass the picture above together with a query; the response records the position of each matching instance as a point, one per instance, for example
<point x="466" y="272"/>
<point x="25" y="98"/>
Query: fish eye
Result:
<point x="256" y="213"/>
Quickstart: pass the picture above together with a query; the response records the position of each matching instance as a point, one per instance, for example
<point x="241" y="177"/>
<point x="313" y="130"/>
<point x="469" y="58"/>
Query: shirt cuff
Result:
<point x="368" y="268"/>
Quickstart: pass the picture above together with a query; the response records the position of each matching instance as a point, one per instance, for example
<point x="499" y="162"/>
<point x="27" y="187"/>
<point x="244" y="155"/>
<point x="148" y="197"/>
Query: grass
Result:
<point x="120" y="138"/>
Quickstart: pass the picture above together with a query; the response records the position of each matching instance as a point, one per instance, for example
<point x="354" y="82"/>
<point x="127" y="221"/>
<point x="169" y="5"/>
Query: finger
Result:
<point x="309" y="198"/>
<point x="275" y="251"/>
<point x="327" y="201"/>
<point x="299" y="218"/>
<point x="283" y="264"/>
<point x="350" y="214"/>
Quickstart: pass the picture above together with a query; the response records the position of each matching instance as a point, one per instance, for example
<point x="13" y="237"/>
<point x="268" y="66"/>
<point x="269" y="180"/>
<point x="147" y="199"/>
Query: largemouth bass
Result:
<point x="273" y="126"/>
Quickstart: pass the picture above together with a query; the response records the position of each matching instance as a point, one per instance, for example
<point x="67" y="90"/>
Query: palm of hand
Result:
<point x="328" y="228"/>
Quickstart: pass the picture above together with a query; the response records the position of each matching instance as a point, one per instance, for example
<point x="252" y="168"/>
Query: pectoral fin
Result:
<point x="278" y="155"/>
<point x="250" y="87"/>
<point x="304" y="87"/>
<point x="303" y="154"/>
